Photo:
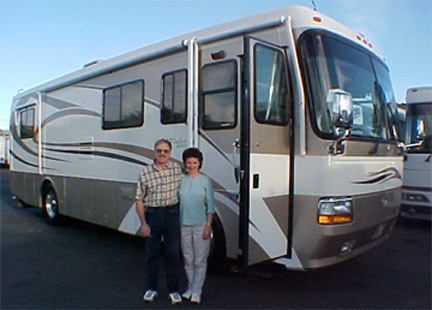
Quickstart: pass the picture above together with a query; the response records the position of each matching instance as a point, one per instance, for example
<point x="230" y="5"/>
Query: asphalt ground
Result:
<point x="82" y="266"/>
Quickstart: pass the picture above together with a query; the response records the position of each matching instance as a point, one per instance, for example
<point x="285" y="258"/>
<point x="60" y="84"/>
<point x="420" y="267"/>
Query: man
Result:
<point x="157" y="208"/>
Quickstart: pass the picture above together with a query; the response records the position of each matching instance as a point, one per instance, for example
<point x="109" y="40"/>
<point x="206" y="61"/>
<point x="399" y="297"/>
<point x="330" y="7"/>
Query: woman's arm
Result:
<point x="208" y="228"/>
<point x="210" y="209"/>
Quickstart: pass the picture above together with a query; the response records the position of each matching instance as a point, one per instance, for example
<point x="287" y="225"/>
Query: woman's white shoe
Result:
<point x="187" y="294"/>
<point x="196" y="298"/>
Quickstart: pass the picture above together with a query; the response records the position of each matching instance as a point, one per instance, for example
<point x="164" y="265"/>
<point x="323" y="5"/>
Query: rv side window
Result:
<point x="26" y="123"/>
<point x="174" y="97"/>
<point x="271" y="86"/>
<point x="123" y="105"/>
<point x="218" y="95"/>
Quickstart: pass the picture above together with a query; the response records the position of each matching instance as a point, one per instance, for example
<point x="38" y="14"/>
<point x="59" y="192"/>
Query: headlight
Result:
<point x="414" y="197"/>
<point x="334" y="211"/>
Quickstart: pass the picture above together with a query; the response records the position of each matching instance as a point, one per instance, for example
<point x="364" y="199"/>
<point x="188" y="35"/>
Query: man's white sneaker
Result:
<point x="149" y="295"/>
<point x="175" y="298"/>
<point x="187" y="294"/>
<point x="196" y="298"/>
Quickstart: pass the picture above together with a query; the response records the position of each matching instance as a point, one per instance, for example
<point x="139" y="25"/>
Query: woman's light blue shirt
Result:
<point x="196" y="199"/>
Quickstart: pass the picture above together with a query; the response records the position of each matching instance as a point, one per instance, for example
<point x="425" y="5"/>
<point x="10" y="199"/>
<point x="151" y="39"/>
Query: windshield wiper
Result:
<point x="379" y="94"/>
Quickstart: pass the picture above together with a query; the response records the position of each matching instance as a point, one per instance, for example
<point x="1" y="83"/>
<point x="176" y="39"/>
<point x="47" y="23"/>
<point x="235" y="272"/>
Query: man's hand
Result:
<point x="145" y="230"/>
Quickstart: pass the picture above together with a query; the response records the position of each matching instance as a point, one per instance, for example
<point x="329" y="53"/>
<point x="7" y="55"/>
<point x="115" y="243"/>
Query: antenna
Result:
<point x="314" y="5"/>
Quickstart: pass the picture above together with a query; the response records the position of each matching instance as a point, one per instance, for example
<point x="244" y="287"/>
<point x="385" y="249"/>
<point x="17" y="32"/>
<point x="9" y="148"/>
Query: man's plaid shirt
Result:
<point x="159" y="188"/>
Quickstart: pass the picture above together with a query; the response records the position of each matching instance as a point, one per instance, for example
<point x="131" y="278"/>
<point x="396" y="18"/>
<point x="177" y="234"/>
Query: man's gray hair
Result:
<point x="163" y="141"/>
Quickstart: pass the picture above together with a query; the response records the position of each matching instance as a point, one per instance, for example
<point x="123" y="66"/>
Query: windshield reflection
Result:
<point x="333" y="64"/>
<point x="416" y="113"/>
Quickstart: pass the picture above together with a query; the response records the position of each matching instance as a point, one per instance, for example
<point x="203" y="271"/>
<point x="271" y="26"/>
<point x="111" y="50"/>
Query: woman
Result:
<point x="196" y="216"/>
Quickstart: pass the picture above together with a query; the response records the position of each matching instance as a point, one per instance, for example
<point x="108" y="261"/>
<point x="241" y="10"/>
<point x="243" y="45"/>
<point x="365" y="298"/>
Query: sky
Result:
<point x="44" y="39"/>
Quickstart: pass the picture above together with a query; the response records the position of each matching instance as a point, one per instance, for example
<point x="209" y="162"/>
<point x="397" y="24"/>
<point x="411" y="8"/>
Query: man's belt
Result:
<point x="165" y="208"/>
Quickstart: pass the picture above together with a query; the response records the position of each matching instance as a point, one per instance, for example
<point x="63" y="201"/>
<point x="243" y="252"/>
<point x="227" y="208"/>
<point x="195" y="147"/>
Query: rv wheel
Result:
<point x="217" y="255"/>
<point x="50" y="205"/>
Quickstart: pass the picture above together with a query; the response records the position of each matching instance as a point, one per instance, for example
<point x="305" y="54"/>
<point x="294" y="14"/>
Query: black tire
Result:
<point x="217" y="256"/>
<point x="50" y="205"/>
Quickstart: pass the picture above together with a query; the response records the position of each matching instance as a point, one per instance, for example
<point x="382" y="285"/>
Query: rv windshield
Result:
<point x="331" y="64"/>
<point x="415" y="114"/>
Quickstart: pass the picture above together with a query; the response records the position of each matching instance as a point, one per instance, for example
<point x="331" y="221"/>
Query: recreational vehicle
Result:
<point x="293" y="111"/>
<point x="4" y="147"/>
<point x="417" y="180"/>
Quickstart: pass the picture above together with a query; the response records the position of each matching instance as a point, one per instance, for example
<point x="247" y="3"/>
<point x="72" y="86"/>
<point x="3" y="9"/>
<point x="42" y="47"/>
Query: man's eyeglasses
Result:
<point x="160" y="151"/>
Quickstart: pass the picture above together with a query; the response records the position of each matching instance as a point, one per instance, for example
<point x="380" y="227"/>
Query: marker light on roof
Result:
<point x="218" y="55"/>
<point x="317" y="19"/>
<point x="363" y="40"/>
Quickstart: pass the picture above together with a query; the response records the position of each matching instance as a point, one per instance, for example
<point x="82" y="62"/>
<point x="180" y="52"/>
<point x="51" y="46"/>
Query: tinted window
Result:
<point x="271" y="86"/>
<point x="416" y="113"/>
<point x="333" y="65"/>
<point x="218" y="95"/>
<point x="123" y="105"/>
<point x="27" y="123"/>
<point x="174" y="97"/>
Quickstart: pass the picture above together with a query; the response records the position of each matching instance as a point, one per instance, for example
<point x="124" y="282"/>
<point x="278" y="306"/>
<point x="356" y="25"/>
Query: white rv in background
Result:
<point x="293" y="111"/>
<point x="4" y="147"/>
<point x="417" y="180"/>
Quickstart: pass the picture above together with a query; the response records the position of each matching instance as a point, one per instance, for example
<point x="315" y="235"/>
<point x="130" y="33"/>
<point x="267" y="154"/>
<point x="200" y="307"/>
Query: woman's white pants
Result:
<point x="195" y="252"/>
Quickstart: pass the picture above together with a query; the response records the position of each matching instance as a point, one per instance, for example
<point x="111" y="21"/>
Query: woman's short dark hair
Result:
<point x="195" y="153"/>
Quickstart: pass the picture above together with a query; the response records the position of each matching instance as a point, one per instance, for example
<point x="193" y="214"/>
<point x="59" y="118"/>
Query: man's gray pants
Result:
<point x="195" y="252"/>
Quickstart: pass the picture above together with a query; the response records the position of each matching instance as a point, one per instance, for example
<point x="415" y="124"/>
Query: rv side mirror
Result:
<point x="341" y="107"/>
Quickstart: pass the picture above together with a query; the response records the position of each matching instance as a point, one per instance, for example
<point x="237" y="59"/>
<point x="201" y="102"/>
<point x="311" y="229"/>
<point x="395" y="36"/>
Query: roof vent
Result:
<point x="91" y="63"/>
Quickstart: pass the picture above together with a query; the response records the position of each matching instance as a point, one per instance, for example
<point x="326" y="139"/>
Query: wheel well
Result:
<point x="219" y="246"/>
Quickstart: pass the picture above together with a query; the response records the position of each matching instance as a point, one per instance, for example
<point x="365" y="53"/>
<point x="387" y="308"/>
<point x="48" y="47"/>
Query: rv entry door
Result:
<point x="219" y="134"/>
<point x="266" y="151"/>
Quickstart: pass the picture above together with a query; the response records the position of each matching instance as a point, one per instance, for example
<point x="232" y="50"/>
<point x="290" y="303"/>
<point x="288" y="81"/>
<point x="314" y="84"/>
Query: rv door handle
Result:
<point x="256" y="181"/>
<point x="237" y="174"/>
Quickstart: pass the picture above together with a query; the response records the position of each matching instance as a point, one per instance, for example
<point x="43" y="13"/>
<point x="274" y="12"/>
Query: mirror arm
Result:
<point x="412" y="145"/>
<point x="337" y="147"/>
